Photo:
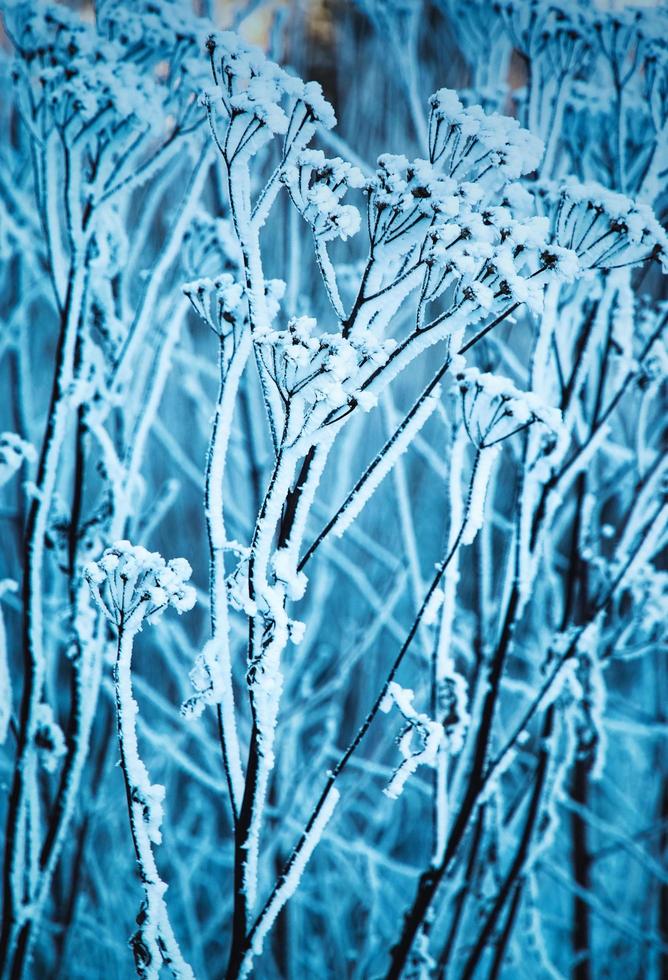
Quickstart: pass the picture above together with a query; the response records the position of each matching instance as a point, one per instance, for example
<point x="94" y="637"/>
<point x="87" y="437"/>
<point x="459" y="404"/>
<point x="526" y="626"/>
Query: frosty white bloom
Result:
<point x="403" y="191"/>
<point x="319" y="109"/>
<point x="220" y="302"/>
<point x="317" y="185"/>
<point x="325" y="371"/>
<point x="255" y="90"/>
<point x="472" y="146"/>
<point x="131" y="584"/>
<point x="605" y="229"/>
<point x="494" y="408"/>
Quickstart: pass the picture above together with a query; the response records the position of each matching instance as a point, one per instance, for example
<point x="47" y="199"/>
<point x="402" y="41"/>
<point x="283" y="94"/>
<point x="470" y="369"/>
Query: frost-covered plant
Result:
<point x="131" y="586"/>
<point x="424" y="417"/>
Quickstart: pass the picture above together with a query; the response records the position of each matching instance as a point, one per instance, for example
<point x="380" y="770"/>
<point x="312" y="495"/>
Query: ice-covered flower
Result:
<point x="493" y="409"/>
<point x="131" y="584"/>
<point x="605" y="229"/>
<point x="316" y="105"/>
<point x="401" y="186"/>
<point x="468" y="144"/>
<point x="220" y="302"/>
<point x="317" y="185"/>
<point x="326" y="370"/>
<point x="82" y="76"/>
<point x="223" y="304"/>
<point x="261" y="99"/>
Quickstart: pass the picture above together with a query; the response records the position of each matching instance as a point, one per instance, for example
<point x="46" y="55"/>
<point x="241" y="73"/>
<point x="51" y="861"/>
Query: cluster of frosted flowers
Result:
<point x="499" y="259"/>
<point x="605" y="229"/>
<point x="255" y="93"/>
<point x="168" y="23"/>
<point x="222" y="301"/>
<point x="317" y="185"/>
<point x="474" y="226"/>
<point x="156" y="26"/>
<point x="82" y="75"/>
<point x="404" y="186"/>
<point x="131" y="584"/>
<point x="493" y="409"/>
<point x="472" y="145"/>
<point x="324" y="369"/>
<point x="429" y="735"/>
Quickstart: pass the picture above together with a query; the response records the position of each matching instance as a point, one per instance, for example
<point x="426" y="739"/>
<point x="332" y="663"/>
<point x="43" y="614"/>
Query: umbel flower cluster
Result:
<point x="394" y="384"/>
<point x="131" y="584"/>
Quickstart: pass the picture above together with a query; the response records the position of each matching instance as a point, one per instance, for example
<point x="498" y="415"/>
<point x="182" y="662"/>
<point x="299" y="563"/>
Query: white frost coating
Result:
<point x="454" y="128"/>
<point x="381" y="466"/>
<point x="580" y="461"/>
<point x="432" y="608"/>
<point x="307" y="496"/>
<point x="290" y="881"/>
<point x="451" y="686"/>
<point x="213" y="669"/>
<point x="621" y="232"/>
<point x="270" y="635"/>
<point x="283" y="565"/>
<point x="7" y="585"/>
<point x="485" y="460"/>
<point x="428" y="731"/>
